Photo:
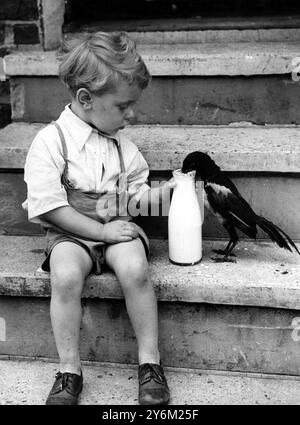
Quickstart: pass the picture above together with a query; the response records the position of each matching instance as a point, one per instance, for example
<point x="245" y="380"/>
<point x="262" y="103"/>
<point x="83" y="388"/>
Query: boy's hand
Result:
<point x="170" y="184"/>
<point x="119" y="231"/>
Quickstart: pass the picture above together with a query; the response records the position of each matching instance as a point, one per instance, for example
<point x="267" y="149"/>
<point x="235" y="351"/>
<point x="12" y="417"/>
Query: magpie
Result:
<point x="227" y="204"/>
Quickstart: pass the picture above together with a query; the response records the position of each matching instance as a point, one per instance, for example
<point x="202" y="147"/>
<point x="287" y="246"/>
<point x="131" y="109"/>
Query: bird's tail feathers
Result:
<point x="276" y="234"/>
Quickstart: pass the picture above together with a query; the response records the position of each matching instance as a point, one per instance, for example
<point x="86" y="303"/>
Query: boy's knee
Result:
<point x="135" y="273"/>
<point x="67" y="282"/>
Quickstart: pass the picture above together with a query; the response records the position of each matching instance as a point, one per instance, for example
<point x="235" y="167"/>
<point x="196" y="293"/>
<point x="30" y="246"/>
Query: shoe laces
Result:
<point x="66" y="380"/>
<point x="151" y="371"/>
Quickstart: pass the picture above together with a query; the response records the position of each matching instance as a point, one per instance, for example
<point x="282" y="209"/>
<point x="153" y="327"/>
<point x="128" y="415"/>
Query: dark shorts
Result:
<point x="95" y="250"/>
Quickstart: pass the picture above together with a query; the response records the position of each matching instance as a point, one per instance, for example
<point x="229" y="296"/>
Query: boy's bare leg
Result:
<point x="69" y="265"/>
<point x="129" y="262"/>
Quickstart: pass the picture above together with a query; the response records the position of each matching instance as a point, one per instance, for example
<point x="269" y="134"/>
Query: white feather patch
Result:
<point x="219" y="189"/>
<point x="225" y="191"/>
<point x="207" y="205"/>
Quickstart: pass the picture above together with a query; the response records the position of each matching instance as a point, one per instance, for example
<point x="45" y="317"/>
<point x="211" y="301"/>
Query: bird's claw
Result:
<point x="223" y="259"/>
<point x="223" y="252"/>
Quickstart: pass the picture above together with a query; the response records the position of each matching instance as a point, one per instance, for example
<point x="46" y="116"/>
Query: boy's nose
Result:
<point x="130" y="115"/>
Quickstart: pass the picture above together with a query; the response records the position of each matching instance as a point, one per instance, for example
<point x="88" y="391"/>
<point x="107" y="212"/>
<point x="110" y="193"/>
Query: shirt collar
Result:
<point x="79" y="130"/>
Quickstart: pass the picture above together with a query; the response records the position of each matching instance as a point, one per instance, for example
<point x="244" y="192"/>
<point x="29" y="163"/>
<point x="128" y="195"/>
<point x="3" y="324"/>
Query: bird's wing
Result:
<point x="221" y="179"/>
<point x="231" y="206"/>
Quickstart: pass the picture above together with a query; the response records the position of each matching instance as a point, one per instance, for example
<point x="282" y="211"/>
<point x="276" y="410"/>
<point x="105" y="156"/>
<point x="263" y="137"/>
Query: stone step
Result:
<point x="190" y="85"/>
<point x="263" y="162"/>
<point x="258" y="100"/>
<point x="177" y="100"/>
<point x="172" y="37"/>
<point x="240" y="316"/>
<point x="274" y="196"/>
<point x="246" y="148"/>
<point x="208" y="59"/>
<point x="263" y="276"/>
<point x="197" y="30"/>
<point x="28" y="382"/>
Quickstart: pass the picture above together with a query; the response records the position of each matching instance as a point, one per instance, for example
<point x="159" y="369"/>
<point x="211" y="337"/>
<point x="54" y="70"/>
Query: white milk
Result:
<point x="185" y="222"/>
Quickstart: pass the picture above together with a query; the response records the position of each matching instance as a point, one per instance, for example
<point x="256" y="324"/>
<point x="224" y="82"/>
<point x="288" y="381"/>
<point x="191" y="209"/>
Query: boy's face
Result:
<point x="111" y="112"/>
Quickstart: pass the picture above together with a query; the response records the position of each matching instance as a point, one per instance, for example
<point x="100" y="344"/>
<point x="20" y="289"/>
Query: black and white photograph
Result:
<point x="150" y="206"/>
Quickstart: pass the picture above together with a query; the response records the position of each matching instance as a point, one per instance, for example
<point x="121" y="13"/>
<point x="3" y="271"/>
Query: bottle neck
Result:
<point x="185" y="183"/>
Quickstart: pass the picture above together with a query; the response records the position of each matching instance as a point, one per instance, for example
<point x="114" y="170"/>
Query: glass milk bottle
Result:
<point x="185" y="221"/>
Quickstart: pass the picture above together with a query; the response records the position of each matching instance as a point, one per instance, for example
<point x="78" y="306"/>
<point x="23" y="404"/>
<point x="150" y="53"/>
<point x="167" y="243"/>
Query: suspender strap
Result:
<point x="65" y="156"/>
<point x="65" y="149"/>
<point x="63" y="140"/>
<point x="122" y="165"/>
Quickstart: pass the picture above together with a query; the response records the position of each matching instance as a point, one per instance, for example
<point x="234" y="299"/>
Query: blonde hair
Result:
<point x="98" y="60"/>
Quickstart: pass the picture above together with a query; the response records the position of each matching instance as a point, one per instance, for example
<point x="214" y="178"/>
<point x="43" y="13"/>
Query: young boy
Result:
<point x="81" y="175"/>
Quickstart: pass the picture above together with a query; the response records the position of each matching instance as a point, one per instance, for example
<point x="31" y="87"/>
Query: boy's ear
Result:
<point x="83" y="96"/>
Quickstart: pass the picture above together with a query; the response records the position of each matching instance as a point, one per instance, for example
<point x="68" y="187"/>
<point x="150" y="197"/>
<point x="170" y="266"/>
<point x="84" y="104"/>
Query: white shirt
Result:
<point x="93" y="165"/>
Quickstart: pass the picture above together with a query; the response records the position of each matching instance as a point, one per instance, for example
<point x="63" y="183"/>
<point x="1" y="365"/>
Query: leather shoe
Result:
<point x="66" y="389"/>
<point x="153" y="387"/>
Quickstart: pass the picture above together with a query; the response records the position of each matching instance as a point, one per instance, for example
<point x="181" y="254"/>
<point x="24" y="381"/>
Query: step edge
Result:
<point x="134" y="366"/>
<point x="274" y="290"/>
<point x="280" y="153"/>
<point x="243" y="59"/>
<point x="37" y="285"/>
<point x="202" y="36"/>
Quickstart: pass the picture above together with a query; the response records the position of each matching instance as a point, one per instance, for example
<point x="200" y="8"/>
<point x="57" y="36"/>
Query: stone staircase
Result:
<point x="108" y="384"/>
<point x="218" y="86"/>
<point x="239" y="317"/>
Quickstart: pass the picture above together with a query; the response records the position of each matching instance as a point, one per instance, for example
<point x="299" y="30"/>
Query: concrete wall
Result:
<point x="19" y="27"/>
<point x="174" y="100"/>
<point x="19" y="23"/>
<point x="261" y="191"/>
<point x="203" y="336"/>
<point x="31" y="23"/>
<point x="5" y="108"/>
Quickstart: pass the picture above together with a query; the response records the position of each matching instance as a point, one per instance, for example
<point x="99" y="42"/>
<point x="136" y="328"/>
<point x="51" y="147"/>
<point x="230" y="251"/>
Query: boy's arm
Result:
<point x="140" y="194"/>
<point x="72" y="221"/>
<point x="47" y="198"/>
<point x="160" y="194"/>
